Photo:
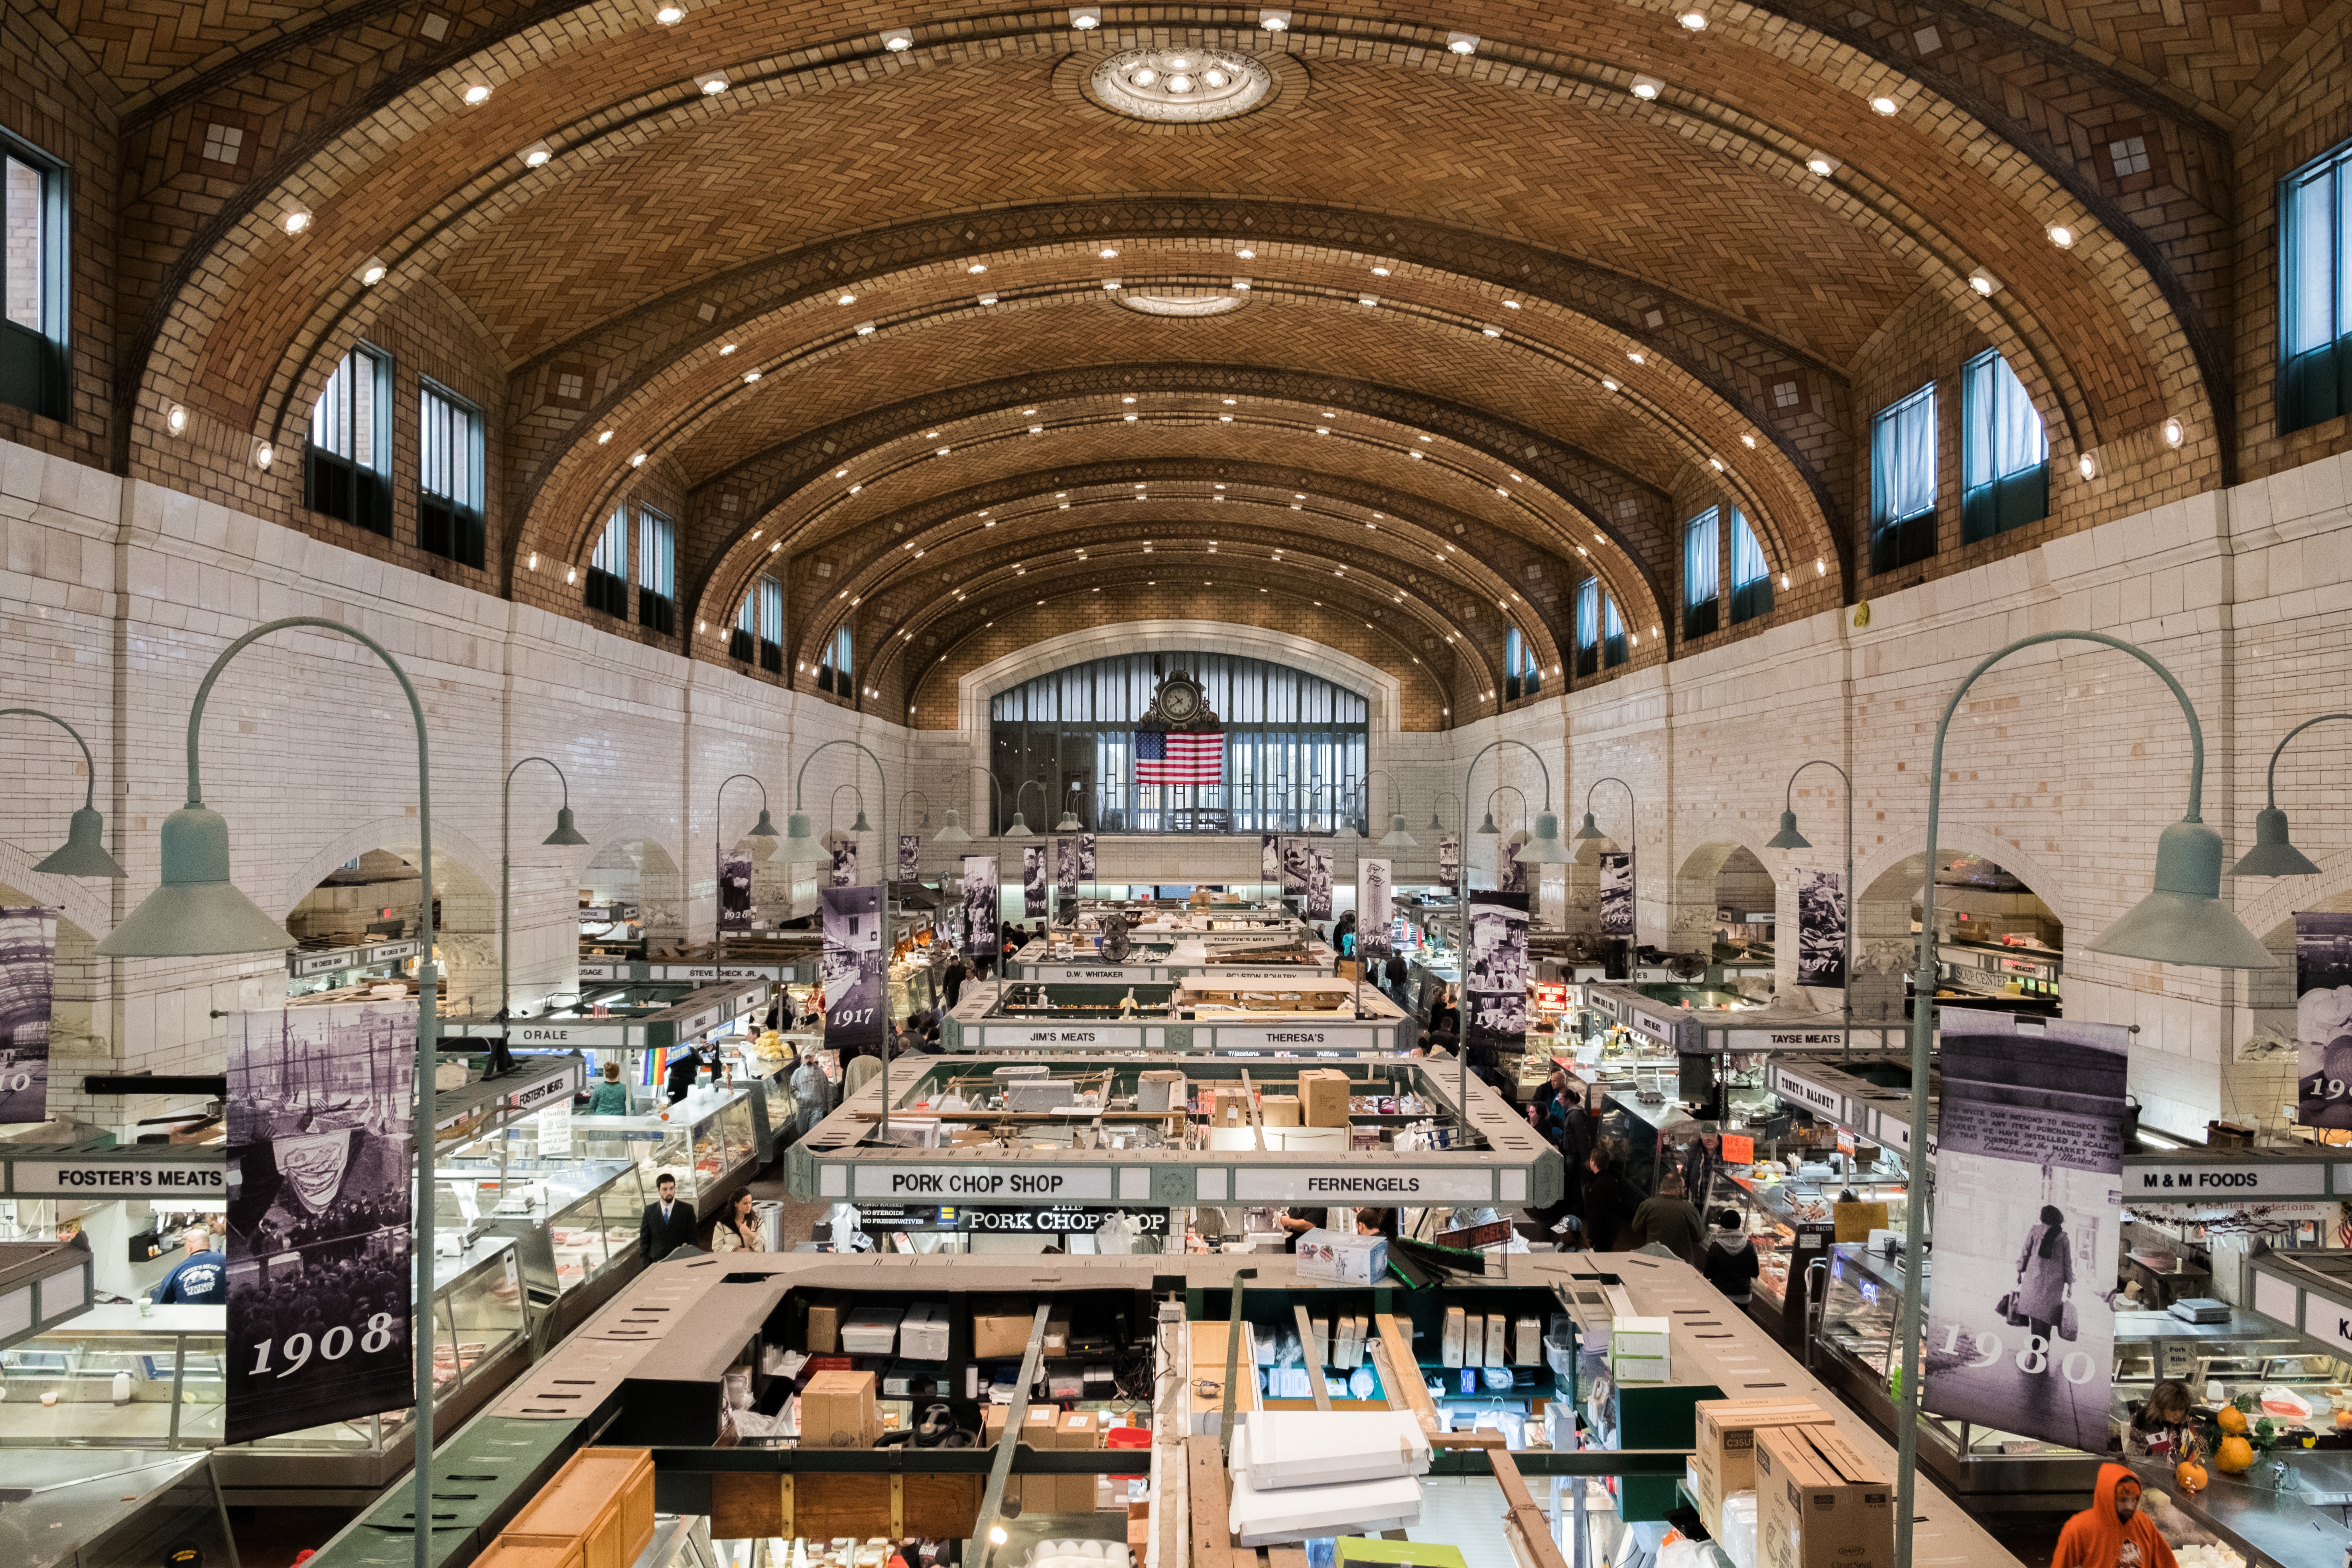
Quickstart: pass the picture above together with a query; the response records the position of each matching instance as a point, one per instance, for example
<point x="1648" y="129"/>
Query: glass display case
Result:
<point x="116" y="1377"/>
<point x="706" y="1141"/>
<point x="573" y="1221"/>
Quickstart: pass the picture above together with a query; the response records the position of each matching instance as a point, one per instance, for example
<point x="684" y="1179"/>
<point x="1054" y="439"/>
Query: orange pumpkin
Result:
<point x="2190" y="1476"/>
<point x="2234" y="1456"/>
<point x="2343" y="1420"/>
<point x="2231" y="1419"/>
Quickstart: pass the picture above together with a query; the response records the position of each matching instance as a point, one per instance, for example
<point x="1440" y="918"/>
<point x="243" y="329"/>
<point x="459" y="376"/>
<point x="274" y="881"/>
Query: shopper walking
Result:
<point x="2045" y="1277"/>
<point x="668" y="1224"/>
<point x="1701" y="1160"/>
<point x="812" y="1094"/>
<point x="1608" y="1203"/>
<point x="2113" y="1532"/>
<point x="611" y="1095"/>
<point x="951" y="982"/>
<point x="737" y="1230"/>
<point x="1669" y="1220"/>
<point x="1729" y="1261"/>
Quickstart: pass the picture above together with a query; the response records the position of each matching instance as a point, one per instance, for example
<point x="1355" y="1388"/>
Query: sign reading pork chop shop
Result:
<point x="947" y="1183"/>
<point x="1365" y="1187"/>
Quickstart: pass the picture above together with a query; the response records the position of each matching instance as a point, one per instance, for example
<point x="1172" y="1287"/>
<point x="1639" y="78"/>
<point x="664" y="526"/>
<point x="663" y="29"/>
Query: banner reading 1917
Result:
<point x="852" y="970"/>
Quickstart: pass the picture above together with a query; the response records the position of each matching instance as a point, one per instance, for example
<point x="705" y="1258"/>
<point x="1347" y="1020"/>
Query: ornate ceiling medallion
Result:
<point x="1180" y="86"/>
<point x="1181" y="304"/>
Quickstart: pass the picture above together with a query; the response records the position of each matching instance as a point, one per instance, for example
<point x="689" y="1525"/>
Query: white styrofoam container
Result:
<point x="923" y="1335"/>
<point x="871" y="1331"/>
<point x="1290" y="1449"/>
<point x="1639" y="1336"/>
<point x="1349" y="1259"/>
<point x="1298" y="1514"/>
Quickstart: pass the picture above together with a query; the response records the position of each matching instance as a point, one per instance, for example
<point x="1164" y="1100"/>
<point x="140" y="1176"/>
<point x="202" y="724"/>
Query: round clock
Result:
<point x="1179" y="700"/>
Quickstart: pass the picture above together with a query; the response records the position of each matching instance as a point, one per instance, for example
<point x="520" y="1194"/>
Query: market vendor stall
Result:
<point x="1214" y="1014"/>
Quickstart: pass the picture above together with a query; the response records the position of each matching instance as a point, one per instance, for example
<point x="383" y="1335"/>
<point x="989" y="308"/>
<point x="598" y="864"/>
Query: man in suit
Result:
<point x="668" y="1224"/>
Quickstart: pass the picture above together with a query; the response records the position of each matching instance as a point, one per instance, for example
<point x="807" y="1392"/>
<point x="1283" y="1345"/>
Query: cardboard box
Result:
<point x="1321" y="1447"/>
<point x="1323" y="1097"/>
<point x="1077" y="1429"/>
<point x="923" y="1335"/>
<point x="1346" y="1259"/>
<point x="1230" y="1107"/>
<point x="1000" y="1327"/>
<point x="827" y="1310"/>
<point x="1159" y="1090"/>
<point x="1819" y="1503"/>
<point x="1058" y="1334"/>
<point x="1449" y="1341"/>
<point x="837" y="1411"/>
<point x="1726" y="1430"/>
<point x="1280" y="1110"/>
<point x="1497" y="1330"/>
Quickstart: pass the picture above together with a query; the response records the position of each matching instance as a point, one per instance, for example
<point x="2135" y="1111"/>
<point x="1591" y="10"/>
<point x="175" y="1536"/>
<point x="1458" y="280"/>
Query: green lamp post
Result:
<point x="198" y="913"/>
<point x="2271" y="854"/>
<point x="2183" y="920"/>
<point x="832" y="811"/>
<point x="1019" y="827"/>
<point x="1396" y="838"/>
<point x="1590" y="833"/>
<point x="1544" y="849"/>
<point x="1790" y="838"/>
<point x="566" y="835"/>
<point x="84" y="852"/>
<point x="800" y="831"/>
<point x="763" y="828"/>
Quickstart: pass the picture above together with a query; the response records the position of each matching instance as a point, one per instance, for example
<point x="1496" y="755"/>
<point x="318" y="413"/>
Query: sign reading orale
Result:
<point x="950" y="1184"/>
<point x="1365" y="1187"/>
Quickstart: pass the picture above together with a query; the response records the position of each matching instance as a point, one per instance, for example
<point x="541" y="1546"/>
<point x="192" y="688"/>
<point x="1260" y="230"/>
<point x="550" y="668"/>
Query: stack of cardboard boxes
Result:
<point x="1778" y="1487"/>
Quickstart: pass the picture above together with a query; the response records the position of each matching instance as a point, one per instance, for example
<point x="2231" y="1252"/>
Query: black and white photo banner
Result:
<point x="1033" y="880"/>
<point x="2323" y="1020"/>
<point x="1269" y="858"/>
<point x="28" y="966"/>
<point x="1372" y="900"/>
<point x="1820" y="928"/>
<point x="852" y="970"/>
<point x="1295" y="855"/>
<point x="845" y="860"/>
<point x="1086" y="858"/>
<point x="1318" y="883"/>
<point x="910" y="857"/>
<point x="980" y="900"/>
<point x="1510" y="877"/>
<point x="1449" y="860"/>
<point x="1495" y="978"/>
<point x="1617" y="894"/>
<point x="735" y="890"/>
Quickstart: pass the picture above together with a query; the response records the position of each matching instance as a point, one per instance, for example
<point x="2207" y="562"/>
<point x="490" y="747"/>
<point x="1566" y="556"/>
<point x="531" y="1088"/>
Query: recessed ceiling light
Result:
<point x="1647" y="88"/>
<point x="1106" y="252"/>
<point x="1883" y="104"/>
<point x="1230" y="402"/>
<point x="1491" y="331"/>
<point x="2062" y="237"/>
<point x="1426" y="437"/>
<point x="1110" y="282"/>
<point x="713" y="83"/>
<point x="1225" y="419"/>
<point x="603" y="437"/>
<point x="1130" y="419"/>
<point x="1380" y="272"/>
<point x="846" y="299"/>
<point x="864" y="329"/>
<point x="372" y="272"/>
<point x="727" y="348"/>
<point x="2087" y="466"/>
<point x="898" y="40"/>
<point x="1609" y="384"/>
<point x="1322" y="429"/>
<point x="637" y="459"/>
<point x="977" y="267"/>
<point x="750" y="376"/>
<point x="1749" y="442"/>
<point x="476" y="92"/>
<point x="536" y="155"/>
<point x="175" y="420"/>
<point x="1694" y="20"/>
<point x="295" y="219"/>
<point x="1716" y="463"/>
<point x="670" y="16"/>
<point x="988" y="299"/>
<point x="1823" y="164"/>
<point x="1273" y="21"/>
<point x="1983" y="282"/>
<point x="1036" y="429"/>
<point x="1085" y="18"/>
<point x="1247" y="254"/>
<point x="2175" y="432"/>
<point x="1511" y="304"/>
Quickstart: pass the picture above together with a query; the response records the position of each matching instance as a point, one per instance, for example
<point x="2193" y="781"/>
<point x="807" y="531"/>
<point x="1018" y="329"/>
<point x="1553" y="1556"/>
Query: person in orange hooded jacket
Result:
<point x="2112" y="1532"/>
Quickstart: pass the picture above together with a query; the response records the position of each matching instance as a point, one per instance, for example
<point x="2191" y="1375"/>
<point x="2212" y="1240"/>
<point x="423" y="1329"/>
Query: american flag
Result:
<point x="1161" y="758"/>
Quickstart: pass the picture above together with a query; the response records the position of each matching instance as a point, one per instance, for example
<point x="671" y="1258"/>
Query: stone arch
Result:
<point x="633" y="855"/>
<point x="465" y="884"/>
<point x="1888" y="880"/>
<point x="83" y="902"/>
<point x="1691" y="913"/>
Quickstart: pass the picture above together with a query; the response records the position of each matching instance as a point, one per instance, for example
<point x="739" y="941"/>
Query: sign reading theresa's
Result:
<point x="2185" y="1181"/>
<point x="914" y="1184"/>
<point x="1366" y="1186"/>
<point x="82" y="1178"/>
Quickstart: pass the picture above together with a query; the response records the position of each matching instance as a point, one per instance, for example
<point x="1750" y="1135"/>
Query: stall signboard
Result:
<point x="28" y="962"/>
<point x="2028" y="1225"/>
<point x="303" y="965"/>
<point x="1495" y="976"/>
<point x="1318" y="883"/>
<point x="1033" y="880"/>
<point x="320" y="1246"/>
<point x="1820" y="928"/>
<point x="1659" y="1028"/>
<point x="2323" y="1018"/>
<point x="1356" y="1188"/>
<point x="1600" y="1003"/>
<point x="1449" y="860"/>
<point x="1617" y="894"/>
<point x="103" y="1178"/>
<point x="943" y="1182"/>
<point x="2206" y="1180"/>
<point x="1551" y="995"/>
<point x="852" y="970"/>
<point x="910" y="857"/>
<point x="735" y="890"/>
<point x="845" y="860"/>
<point x="1066" y="868"/>
<point x="980" y="905"/>
<point x="1794" y="1090"/>
<point x="1783" y="1039"/>
<point x="1059" y="1220"/>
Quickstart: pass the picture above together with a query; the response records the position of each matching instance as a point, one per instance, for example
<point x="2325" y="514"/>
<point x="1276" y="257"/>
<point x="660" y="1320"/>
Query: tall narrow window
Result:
<point x="1614" y="649"/>
<point x="656" y="570"/>
<point x="1751" y="574"/>
<point x="834" y="673"/>
<point x="743" y="642"/>
<point x="2315" y="293"/>
<point x="349" y="467"/>
<point x="1588" y="627"/>
<point x="608" y="570"/>
<point x="1903" y="481"/>
<point x="1522" y="675"/>
<point x="2004" y="455"/>
<point x="448" y="476"/>
<point x="1702" y="581"/>
<point x="33" y="283"/>
<point x="772" y="626"/>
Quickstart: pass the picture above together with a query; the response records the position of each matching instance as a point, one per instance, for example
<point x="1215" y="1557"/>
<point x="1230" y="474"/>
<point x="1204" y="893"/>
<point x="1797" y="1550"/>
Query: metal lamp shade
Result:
<point x="1486" y="828"/>
<point x="84" y="854"/>
<point x="198" y="912"/>
<point x="861" y="825"/>
<point x="1347" y="829"/>
<point x="1787" y="837"/>
<point x="1589" y="831"/>
<point x="953" y="832"/>
<point x="1019" y="828"/>
<point x="798" y="827"/>
<point x="2184" y="921"/>
<point x="1435" y="825"/>
<point x="1545" y="848"/>
<point x="565" y="833"/>
<point x="2271" y="854"/>
<point x="766" y="827"/>
<point x="1396" y="838"/>
<point x="1069" y="824"/>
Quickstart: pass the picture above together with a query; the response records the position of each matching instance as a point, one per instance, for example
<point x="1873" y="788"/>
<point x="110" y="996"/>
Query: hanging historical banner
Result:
<point x="1086" y="857"/>
<point x="1033" y="880"/>
<point x="2028" y="1225"/>
<point x="2323" y="1020"/>
<point x="844" y="848"/>
<point x="1617" y="894"/>
<point x="910" y="857"/>
<point x="1510" y="877"/>
<point x="1065" y="866"/>
<point x="319" y="1218"/>
<point x="1820" y="928"/>
<point x="28" y="966"/>
<point x="852" y="970"/>
<point x="1295" y="857"/>
<point x="1318" y="883"/>
<point x="1449" y="860"/>
<point x="1269" y="858"/>
<point x="1372" y="901"/>
<point x="980" y="905"/>
<point x="735" y="890"/>
<point x="1494" y="981"/>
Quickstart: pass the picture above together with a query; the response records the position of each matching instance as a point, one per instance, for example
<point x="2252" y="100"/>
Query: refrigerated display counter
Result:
<point x="574" y="1222"/>
<point x="708" y="1141"/>
<point x="169" y="1360"/>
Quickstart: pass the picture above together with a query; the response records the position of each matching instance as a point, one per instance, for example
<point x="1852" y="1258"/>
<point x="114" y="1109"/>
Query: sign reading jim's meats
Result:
<point x="2323" y="1020"/>
<point x="28" y="949"/>
<point x="852" y="970"/>
<point x="2028" y="1225"/>
<point x="318" y="1216"/>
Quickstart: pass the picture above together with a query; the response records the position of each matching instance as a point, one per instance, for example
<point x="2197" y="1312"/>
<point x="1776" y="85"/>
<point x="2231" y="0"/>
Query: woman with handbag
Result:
<point x="738" y="1230"/>
<point x="2045" y="1275"/>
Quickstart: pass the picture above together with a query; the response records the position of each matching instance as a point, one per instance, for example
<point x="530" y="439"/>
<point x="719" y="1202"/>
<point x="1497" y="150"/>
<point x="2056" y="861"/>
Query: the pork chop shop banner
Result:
<point x="1373" y="900"/>
<point x="1510" y="877"/>
<point x="845" y="860"/>
<point x="319" y="1218"/>
<point x="980" y="904"/>
<point x="29" y="965"/>
<point x="1617" y="894"/>
<point x="852" y="968"/>
<point x="1449" y="860"/>
<point x="1820" y="928"/>
<point x="1033" y="880"/>
<point x="735" y="890"/>
<point x="1494" y="982"/>
<point x="2323" y="1020"/>
<point x="1319" y="884"/>
<point x="2028" y="1225"/>
<point x="910" y="857"/>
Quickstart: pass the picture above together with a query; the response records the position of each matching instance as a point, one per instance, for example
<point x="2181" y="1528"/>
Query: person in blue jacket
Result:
<point x="199" y="1279"/>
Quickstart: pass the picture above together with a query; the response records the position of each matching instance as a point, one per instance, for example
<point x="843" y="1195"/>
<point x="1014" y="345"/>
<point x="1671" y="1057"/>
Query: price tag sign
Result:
<point x="555" y="1129"/>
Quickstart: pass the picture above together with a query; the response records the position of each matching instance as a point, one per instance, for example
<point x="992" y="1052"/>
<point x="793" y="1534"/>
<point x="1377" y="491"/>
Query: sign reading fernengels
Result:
<point x="948" y="1182"/>
<point x="1365" y="1187"/>
<point x="2200" y="1181"/>
<point x="79" y="1178"/>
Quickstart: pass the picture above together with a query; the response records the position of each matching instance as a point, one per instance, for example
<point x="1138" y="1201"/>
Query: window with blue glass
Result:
<point x="1613" y="647"/>
<point x="1903" y="481"/>
<point x="33" y="305"/>
<point x="1522" y="675"/>
<point x="448" y="476"/>
<point x="1751" y="574"/>
<point x="2004" y="455"/>
<point x="833" y="673"/>
<point x="608" y="568"/>
<point x="1702" y="582"/>
<point x="760" y="626"/>
<point x="2315" y="293"/>
<point x="1588" y="627"/>
<point x="656" y="570"/>
<point x="347" y="472"/>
